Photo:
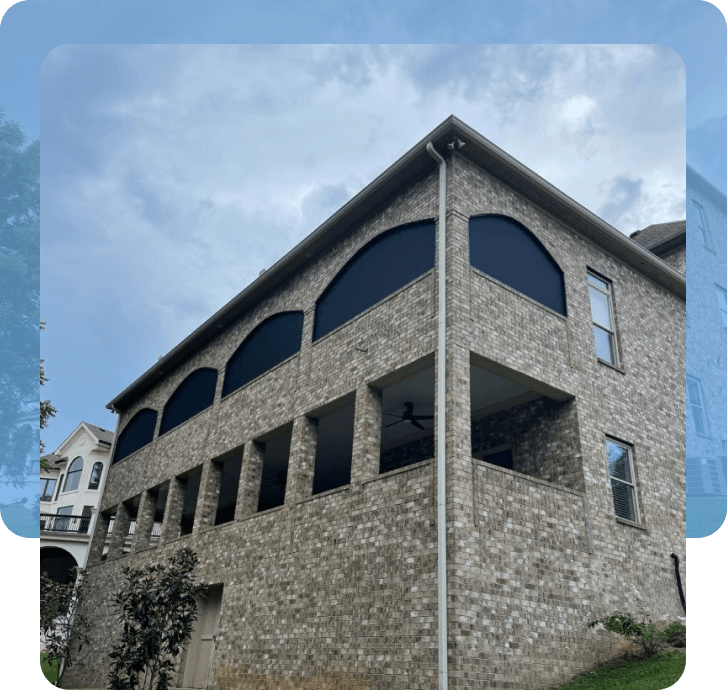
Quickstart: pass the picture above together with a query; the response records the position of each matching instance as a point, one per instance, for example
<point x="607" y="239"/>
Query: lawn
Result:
<point x="655" y="673"/>
<point x="49" y="671"/>
<point x="705" y="515"/>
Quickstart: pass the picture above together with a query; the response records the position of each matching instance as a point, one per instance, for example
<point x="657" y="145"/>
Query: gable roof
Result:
<point x="661" y="237"/>
<point x="97" y="434"/>
<point x="412" y="166"/>
<point x="103" y="435"/>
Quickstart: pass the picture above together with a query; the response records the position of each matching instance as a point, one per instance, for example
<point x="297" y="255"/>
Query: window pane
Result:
<point x="604" y="345"/>
<point x="593" y="280"/>
<point x="619" y="461"/>
<point x="699" y="420"/>
<point x="694" y="392"/>
<point x="600" y="308"/>
<point x="623" y="496"/>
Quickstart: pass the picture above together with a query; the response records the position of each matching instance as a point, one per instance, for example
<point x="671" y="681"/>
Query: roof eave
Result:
<point x="414" y="164"/>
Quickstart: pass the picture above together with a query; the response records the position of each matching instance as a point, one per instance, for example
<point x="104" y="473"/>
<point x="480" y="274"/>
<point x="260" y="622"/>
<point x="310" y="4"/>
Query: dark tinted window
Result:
<point x="229" y="481"/>
<point x="384" y="265"/>
<point x="275" y="472"/>
<point x="137" y="433"/>
<point x="332" y="466"/>
<point x="193" y="395"/>
<point x="74" y="475"/>
<point x="506" y="250"/>
<point x="96" y="473"/>
<point x="274" y="340"/>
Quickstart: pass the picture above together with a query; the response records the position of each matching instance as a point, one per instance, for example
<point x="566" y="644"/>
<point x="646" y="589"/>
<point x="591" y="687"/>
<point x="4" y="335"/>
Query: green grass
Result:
<point x="705" y="515"/>
<point x="49" y="671"/>
<point x="656" y="673"/>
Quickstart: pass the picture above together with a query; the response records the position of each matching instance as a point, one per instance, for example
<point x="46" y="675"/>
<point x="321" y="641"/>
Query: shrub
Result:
<point x="647" y="634"/>
<point x="158" y="608"/>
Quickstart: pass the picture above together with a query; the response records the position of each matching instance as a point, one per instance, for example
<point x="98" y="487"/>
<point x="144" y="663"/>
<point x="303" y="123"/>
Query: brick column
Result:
<point x="101" y="528"/>
<point x="144" y="522"/>
<point x="207" y="496"/>
<point x="301" y="460"/>
<point x="173" y="511"/>
<point x="367" y="434"/>
<point x="250" y="476"/>
<point x="121" y="529"/>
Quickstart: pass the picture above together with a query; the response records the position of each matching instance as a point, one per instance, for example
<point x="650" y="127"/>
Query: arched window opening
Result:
<point x="96" y="473"/>
<point x="509" y="252"/>
<point x="74" y="475"/>
<point x="193" y="395"/>
<point x="272" y="341"/>
<point x="136" y="434"/>
<point x="381" y="267"/>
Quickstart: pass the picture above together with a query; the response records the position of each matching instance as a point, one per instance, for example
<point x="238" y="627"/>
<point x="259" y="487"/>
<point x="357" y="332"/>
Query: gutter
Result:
<point x="441" y="496"/>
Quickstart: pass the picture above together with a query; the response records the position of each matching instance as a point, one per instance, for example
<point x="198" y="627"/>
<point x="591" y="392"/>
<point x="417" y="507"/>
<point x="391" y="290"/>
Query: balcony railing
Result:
<point x="77" y="524"/>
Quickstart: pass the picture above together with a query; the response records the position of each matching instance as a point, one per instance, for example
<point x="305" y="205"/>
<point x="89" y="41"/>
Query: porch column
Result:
<point x="250" y="477"/>
<point x="121" y="530"/>
<point x="367" y="434"/>
<point x="145" y="520"/>
<point x="301" y="459"/>
<point x="173" y="511"/>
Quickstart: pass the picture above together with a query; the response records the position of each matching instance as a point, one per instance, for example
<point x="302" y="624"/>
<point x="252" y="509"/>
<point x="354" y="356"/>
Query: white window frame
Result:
<point x="610" y="302"/>
<point x="720" y="293"/>
<point x="632" y="485"/>
<point x="700" y="405"/>
<point x="44" y="496"/>
<point x="702" y="224"/>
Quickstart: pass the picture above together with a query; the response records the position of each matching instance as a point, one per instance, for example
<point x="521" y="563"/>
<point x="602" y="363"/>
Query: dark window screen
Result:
<point x="384" y="265"/>
<point x="275" y="472"/>
<point x="189" y="504"/>
<point x="268" y="344"/>
<point x="503" y="458"/>
<point x="229" y="481"/>
<point x="193" y="395"/>
<point x="332" y="466"/>
<point x="137" y="433"/>
<point x="506" y="250"/>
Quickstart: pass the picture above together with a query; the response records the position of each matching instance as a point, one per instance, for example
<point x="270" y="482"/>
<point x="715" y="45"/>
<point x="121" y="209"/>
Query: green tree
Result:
<point x="46" y="410"/>
<point x="63" y="630"/>
<point x="19" y="290"/>
<point x="157" y="607"/>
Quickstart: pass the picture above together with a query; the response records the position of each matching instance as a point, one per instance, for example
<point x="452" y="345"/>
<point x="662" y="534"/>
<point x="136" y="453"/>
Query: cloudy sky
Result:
<point x="172" y="175"/>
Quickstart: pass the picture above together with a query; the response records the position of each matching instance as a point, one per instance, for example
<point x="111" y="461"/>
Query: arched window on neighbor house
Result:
<point x="507" y="251"/>
<point x="193" y="395"/>
<point x="136" y="434"/>
<point x="96" y="472"/>
<point x="74" y="475"/>
<point x="387" y="263"/>
<point x="268" y="344"/>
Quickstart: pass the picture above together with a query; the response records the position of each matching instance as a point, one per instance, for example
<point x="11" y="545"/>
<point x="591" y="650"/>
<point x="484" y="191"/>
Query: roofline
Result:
<point x="693" y="177"/>
<point x="410" y="167"/>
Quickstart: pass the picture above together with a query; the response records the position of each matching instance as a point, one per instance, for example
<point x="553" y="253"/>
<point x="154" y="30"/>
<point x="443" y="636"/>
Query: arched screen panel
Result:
<point x="193" y="395"/>
<point x="506" y="250"/>
<point x="136" y="434"/>
<point x="272" y="341"/>
<point x="381" y="267"/>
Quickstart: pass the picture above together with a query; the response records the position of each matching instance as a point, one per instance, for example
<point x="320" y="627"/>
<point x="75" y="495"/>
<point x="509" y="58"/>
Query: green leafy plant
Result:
<point x="158" y="607"/>
<point x="646" y="633"/>
<point x="63" y="630"/>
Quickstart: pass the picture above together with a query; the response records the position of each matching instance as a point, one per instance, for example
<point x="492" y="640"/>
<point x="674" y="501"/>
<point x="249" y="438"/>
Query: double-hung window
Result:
<point x="721" y="295"/>
<point x="621" y="475"/>
<point x="702" y="224"/>
<point x="695" y="400"/>
<point x="600" y="297"/>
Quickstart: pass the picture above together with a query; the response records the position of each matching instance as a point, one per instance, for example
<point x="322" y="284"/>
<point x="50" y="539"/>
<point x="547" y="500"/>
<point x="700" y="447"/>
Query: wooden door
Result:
<point x="199" y="652"/>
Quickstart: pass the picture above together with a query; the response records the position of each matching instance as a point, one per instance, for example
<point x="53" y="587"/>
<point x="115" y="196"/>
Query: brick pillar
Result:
<point x="101" y="528"/>
<point x="367" y="434"/>
<point x="173" y="511"/>
<point x="207" y="496"/>
<point x="250" y="476"/>
<point x="121" y="529"/>
<point x="301" y="459"/>
<point x="144" y="522"/>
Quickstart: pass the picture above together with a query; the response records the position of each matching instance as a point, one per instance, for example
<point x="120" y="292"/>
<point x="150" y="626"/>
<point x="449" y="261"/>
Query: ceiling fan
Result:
<point x="409" y="417"/>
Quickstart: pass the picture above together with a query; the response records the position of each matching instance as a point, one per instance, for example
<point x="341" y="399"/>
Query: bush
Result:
<point x="158" y="607"/>
<point x="647" y="634"/>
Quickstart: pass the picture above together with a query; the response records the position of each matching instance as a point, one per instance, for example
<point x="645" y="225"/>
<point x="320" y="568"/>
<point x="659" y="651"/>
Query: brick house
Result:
<point x="397" y="481"/>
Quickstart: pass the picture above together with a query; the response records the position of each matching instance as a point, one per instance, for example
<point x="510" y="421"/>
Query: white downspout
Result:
<point x="441" y="514"/>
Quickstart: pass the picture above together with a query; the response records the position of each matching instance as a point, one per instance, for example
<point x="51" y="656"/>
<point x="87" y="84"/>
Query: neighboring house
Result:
<point x="70" y="492"/>
<point x="298" y="442"/>
<point x="706" y="339"/>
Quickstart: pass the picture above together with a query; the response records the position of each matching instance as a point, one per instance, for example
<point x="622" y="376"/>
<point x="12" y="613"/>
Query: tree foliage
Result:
<point x="46" y="409"/>
<point x="63" y="630"/>
<point x="158" y="607"/>
<point x="19" y="290"/>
